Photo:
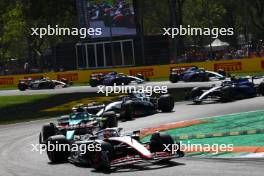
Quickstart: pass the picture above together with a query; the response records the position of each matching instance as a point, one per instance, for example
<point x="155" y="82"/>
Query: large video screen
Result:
<point x="114" y="17"/>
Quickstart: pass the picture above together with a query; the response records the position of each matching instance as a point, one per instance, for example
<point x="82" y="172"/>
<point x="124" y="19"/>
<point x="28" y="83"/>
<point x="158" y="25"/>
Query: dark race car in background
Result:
<point x="134" y="105"/>
<point x="114" y="78"/>
<point x="236" y="89"/>
<point x="42" y="83"/>
<point x="115" y="149"/>
<point x="195" y="74"/>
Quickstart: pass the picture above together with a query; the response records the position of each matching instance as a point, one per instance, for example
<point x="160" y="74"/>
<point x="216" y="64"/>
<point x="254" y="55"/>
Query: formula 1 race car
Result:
<point x="114" y="78"/>
<point x="237" y="88"/>
<point x="195" y="74"/>
<point x="114" y="149"/>
<point x="77" y="123"/>
<point x="42" y="83"/>
<point x="134" y="105"/>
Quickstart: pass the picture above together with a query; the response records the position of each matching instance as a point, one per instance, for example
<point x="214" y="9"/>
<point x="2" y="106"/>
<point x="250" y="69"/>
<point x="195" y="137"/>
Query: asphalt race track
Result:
<point x="81" y="89"/>
<point x="75" y="89"/>
<point x="17" y="159"/>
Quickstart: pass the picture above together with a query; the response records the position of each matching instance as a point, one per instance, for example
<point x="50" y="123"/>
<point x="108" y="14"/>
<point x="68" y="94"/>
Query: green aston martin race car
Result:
<point x="76" y="124"/>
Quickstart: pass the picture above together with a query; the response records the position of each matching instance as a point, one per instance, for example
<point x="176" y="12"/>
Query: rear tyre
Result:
<point x="47" y="131"/>
<point x="227" y="94"/>
<point x="56" y="156"/>
<point x="111" y="120"/>
<point x="127" y="110"/>
<point x="166" y="103"/>
<point x="261" y="88"/>
<point x="93" y="82"/>
<point x="174" y="77"/>
<point x="101" y="159"/>
<point x="22" y="86"/>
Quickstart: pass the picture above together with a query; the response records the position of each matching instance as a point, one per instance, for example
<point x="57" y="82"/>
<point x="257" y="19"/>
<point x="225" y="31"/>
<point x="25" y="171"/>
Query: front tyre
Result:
<point x="110" y="120"/>
<point x="101" y="159"/>
<point x="61" y="155"/>
<point x="166" y="103"/>
<point x="196" y="93"/>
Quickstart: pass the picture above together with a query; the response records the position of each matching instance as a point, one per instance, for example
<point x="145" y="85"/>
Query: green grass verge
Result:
<point x="222" y="124"/>
<point x="29" y="107"/>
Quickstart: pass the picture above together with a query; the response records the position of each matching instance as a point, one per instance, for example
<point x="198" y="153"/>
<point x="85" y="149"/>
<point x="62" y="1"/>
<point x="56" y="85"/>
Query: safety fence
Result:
<point x="157" y="71"/>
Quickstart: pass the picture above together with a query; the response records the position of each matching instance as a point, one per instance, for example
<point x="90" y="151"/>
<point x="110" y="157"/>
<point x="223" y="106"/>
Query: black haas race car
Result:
<point x="112" y="149"/>
<point x="77" y="123"/>
<point x="42" y="83"/>
<point x="195" y="74"/>
<point x="112" y="78"/>
<point x="133" y="105"/>
<point x="236" y="89"/>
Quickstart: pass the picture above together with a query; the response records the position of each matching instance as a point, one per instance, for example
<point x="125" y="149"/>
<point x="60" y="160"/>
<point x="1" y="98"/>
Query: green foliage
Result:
<point x="18" y="16"/>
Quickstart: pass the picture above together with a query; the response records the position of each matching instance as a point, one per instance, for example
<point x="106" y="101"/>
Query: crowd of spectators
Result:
<point x="229" y="53"/>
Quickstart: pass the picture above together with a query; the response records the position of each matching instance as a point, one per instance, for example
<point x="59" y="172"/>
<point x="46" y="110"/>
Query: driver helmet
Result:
<point x="79" y="108"/>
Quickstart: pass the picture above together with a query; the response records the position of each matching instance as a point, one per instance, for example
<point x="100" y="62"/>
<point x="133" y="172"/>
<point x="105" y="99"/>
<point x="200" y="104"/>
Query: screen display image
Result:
<point x="114" y="17"/>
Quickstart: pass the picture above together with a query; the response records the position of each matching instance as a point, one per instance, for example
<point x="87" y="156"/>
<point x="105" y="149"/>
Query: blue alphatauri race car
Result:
<point x="114" y="78"/>
<point x="235" y="89"/>
<point x="195" y="74"/>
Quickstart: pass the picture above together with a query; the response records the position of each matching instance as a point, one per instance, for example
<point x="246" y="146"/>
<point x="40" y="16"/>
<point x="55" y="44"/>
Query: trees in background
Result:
<point x="18" y="16"/>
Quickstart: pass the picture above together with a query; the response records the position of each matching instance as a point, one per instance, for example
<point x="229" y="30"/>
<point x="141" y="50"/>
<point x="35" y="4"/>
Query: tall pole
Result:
<point x="210" y="24"/>
<point x="140" y="27"/>
<point x="112" y="44"/>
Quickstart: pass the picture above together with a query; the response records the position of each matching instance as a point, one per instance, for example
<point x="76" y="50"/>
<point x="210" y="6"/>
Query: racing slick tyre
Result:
<point x="58" y="156"/>
<point x="222" y="72"/>
<point x="140" y="76"/>
<point x="261" y="88"/>
<point x="226" y="94"/>
<point x="51" y="85"/>
<point x="111" y="120"/>
<point x="174" y="77"/>
<point x="93" y="82"/>
<point x="101" y="160"/>
<point x="22" y="86"/>
<point x="127" y="110"/>
<point x="166" y="103"/>
<point x="47" y="131"/>
<point x="196" y="92"/>
<point x="158" y="143"/>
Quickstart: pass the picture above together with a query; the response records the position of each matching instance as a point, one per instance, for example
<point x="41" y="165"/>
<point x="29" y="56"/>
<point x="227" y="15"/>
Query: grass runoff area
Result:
<point x="31" y="107"/>
<point x="227" y="130"/>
